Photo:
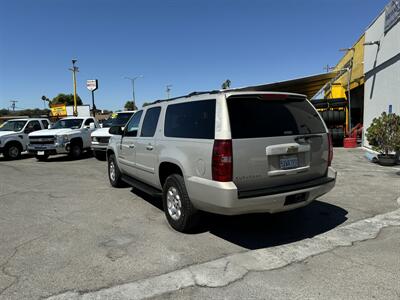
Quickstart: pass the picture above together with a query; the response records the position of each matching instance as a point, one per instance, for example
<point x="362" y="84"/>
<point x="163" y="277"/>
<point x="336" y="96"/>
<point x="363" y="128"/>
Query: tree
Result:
<point x="129" y="105"/>
<point x="226" y="84"/>
<point x="67" y="99"/>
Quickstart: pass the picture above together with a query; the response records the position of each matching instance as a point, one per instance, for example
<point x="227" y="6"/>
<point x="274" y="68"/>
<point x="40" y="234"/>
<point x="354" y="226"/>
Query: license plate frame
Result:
<point x="288" y="162"/>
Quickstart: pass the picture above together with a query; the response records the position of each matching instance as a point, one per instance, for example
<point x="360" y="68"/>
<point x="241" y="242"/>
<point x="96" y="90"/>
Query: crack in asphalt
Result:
<point x="3" y="267"/>
<point x="227" y="270"/>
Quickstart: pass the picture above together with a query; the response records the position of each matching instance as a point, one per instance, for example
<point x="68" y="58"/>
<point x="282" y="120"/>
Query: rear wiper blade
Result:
<point x="307" y="136"/>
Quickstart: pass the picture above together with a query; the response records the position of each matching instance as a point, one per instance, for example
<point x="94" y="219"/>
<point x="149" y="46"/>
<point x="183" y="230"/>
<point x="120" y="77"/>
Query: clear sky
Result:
<point x="193" y="45"/>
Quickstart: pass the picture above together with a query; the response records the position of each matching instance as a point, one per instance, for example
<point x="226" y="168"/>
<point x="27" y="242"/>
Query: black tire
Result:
<point x="115" y="178"/>
<point x="188" y="216"/>
<point x="42" y="157"/>
<point x="75" y="150"/>
<point x="100" y="155"/>
<point x="325" y="116"/>
<point x="331" y="120"/>
<point x="342" y="117"/>
<point x="12" y="151"/>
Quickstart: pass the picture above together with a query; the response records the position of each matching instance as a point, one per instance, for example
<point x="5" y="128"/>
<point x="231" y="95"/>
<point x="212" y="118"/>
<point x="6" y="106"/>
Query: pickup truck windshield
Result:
<point x="120" y="120"/>
<point x="13" y="126"/>
<point x="68" y="123"/>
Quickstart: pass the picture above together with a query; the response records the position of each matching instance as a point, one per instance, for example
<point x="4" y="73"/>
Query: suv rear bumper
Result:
<point x="223" y="197"/>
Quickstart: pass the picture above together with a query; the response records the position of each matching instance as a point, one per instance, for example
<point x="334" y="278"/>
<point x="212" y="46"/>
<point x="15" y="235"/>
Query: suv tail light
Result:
<point x="330" y="154"/>
<point x="222" y="167"/>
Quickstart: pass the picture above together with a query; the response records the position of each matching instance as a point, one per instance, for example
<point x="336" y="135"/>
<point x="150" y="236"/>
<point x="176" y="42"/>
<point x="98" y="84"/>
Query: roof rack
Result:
<point x="186" y="96"/>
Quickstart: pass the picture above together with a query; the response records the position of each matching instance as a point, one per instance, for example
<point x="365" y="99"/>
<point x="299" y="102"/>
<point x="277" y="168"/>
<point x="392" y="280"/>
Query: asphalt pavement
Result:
<point x="65" y="232"/>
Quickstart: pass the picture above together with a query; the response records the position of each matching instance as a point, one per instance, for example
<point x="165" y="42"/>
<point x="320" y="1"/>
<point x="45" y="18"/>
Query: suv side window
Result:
<point x="132" y="128"/>
<point x="45" y="124"/>
<point x="194" y="120"/>
<point x="150" y="122"/>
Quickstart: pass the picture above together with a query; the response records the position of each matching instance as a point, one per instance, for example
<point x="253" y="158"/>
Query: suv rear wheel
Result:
<point x="178" y="208"/>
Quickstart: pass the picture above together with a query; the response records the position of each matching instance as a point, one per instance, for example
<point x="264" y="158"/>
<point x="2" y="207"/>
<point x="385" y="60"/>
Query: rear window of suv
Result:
<point x="254" y="117"/>
<point x="194" y="120"/>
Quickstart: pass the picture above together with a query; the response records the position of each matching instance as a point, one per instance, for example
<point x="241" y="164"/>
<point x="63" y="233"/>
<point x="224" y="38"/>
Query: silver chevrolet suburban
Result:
<point x="224" y="152"/>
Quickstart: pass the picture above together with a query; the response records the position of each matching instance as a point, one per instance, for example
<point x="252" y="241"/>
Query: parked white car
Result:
<point x="101" y="136"/>
<point x="14" y="135"/>
<point x="67" y="136"/>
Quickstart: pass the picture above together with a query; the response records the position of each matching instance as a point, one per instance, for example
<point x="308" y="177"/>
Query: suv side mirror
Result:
<point x="28" y="130"/>
<point x="116" y="130"/>
<point x="91" y="126"/>
<point x="49" y="126"/>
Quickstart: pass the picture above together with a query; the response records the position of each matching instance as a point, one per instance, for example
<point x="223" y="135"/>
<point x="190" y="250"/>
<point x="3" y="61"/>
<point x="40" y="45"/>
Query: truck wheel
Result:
<point x="100" y="155"/>
<point x="12" y="151"/>
<point x="178" y="208"/>
<point x="75" y="151"/>
<point x="114" y="174"/>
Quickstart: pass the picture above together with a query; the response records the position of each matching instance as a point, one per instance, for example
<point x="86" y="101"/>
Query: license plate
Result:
<point x="289" y="162"/>
<point x="40" y="153"/>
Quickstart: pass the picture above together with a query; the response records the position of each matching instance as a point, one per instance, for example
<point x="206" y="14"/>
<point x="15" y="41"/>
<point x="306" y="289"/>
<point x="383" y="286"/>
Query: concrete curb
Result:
<point x="223" y="271"/>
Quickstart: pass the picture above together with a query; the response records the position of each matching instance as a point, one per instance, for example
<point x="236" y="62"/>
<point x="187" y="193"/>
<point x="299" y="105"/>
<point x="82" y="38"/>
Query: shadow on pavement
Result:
<point x="255" y="231"/>
<point x="23" y="156"/>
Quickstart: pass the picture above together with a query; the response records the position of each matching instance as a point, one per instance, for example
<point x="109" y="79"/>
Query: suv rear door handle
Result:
<point x="149" y="147"/>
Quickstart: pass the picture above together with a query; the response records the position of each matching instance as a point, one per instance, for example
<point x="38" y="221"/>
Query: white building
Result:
<point x="382" y="65"/>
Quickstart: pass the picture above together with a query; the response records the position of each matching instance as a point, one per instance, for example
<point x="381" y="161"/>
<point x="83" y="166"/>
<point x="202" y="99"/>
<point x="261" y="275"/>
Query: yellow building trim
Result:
<point x="354" y="59"/>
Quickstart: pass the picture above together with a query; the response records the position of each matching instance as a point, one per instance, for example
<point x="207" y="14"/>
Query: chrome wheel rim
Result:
<point x="112" y="171"/>
<point x="13" y="152"/>
<point x="174" y="203"/>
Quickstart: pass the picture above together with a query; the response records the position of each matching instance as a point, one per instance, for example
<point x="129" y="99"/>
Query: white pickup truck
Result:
<point x="14" y="135"/>
<point x="69" y="135"/>
<point x="101" y="136"/>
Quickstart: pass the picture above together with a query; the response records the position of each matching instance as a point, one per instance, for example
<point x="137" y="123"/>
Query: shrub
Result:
<point x="384" y="133"/>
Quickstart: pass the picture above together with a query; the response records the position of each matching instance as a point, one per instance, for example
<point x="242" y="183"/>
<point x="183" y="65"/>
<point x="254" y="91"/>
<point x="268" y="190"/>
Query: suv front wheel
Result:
<point x="114" y="174"/>
<point x="180" y="213"/>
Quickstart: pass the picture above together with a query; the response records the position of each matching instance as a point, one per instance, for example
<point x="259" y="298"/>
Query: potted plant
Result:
<point x="384" y="136"/>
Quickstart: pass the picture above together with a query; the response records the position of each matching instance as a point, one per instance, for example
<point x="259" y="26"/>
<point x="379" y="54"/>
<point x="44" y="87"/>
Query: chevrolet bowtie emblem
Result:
<point x="292" y="149"/>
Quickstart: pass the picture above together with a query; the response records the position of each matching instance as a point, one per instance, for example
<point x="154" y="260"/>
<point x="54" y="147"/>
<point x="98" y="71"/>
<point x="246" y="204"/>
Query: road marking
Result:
<point x="223" y="271"/>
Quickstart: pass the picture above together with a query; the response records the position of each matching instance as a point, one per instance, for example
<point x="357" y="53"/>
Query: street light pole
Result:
<point x="133" y="87"/>
<point x="168" y="90"/>
<point x="74" y="69"/>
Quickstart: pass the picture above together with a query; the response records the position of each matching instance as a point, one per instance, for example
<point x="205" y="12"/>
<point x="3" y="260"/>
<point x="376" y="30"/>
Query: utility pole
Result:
<point x="74" y="69"/>
<point x="168" y="90"/>
<point x="349" y="70"/>
<point x="133" y="88"/>
<point x="13" y="104"/>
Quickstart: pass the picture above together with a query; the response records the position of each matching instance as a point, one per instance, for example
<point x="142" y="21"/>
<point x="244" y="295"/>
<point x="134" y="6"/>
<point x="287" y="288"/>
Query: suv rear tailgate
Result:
<point x="277" y="140"/>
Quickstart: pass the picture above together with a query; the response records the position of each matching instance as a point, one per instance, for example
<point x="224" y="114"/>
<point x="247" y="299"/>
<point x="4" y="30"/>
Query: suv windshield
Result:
<point x="68" y="123"/>
<point x="13" y="126"/>
<point x="120" y="120"/>
<point x="255" y="117"/>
